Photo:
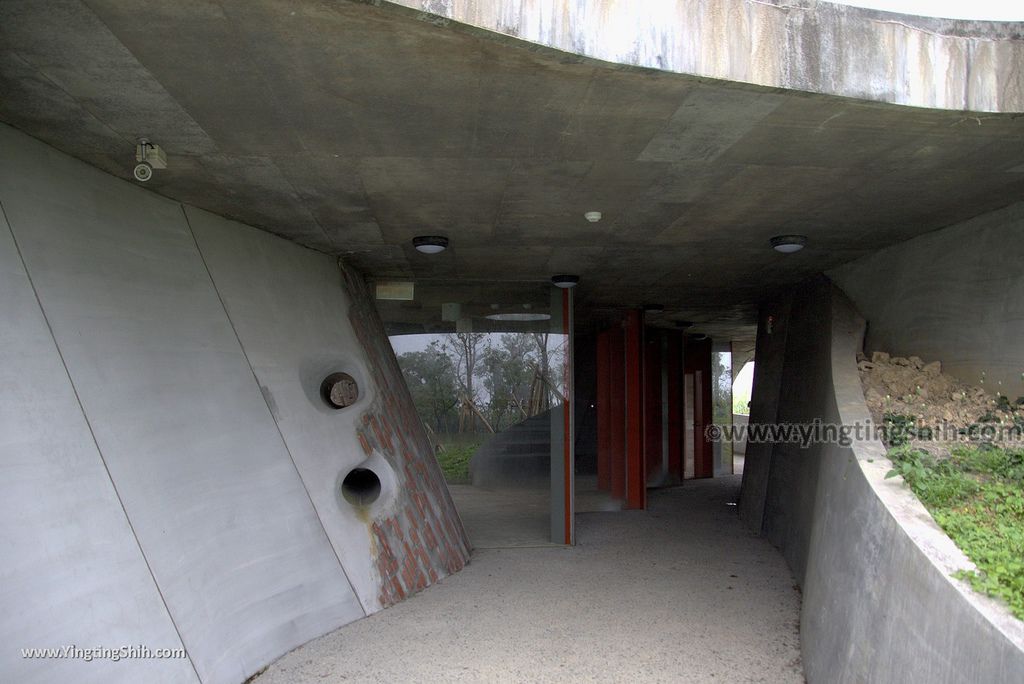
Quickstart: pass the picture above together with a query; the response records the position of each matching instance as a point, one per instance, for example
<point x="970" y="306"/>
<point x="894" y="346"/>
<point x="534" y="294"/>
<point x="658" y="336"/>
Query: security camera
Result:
<point x="143" y="172"/>
<point x="150" y="157"/>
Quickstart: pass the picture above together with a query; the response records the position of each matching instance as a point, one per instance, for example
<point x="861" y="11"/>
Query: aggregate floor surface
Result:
<point x="681" y="592"/>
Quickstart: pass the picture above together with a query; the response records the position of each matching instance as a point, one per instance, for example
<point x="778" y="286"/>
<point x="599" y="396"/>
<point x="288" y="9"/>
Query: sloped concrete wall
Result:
<point x="71" y="570"/>
<point x="955" y="295"/>
<point x="169" y="472"/>
<point x="421" y="538"/>
<point x="879" y="602"/>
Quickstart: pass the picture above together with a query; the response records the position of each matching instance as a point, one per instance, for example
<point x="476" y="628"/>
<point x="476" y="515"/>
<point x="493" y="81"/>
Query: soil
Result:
<point x="922" y="394"/>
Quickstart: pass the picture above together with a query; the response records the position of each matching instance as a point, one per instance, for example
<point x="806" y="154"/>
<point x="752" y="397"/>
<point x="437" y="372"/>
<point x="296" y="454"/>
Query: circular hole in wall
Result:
<point x="339" y="390"/>
<point x="361" y="487"/>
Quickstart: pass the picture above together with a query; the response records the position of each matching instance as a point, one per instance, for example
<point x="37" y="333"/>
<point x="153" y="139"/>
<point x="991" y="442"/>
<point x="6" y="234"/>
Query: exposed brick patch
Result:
<point x="424" y="540"/>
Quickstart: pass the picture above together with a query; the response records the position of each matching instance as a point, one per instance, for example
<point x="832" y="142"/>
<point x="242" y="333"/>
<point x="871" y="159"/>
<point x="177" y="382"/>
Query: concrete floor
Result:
<point x="504" y="518"/>
<point x="680" y="593"/>
<point x="518" y="517"/>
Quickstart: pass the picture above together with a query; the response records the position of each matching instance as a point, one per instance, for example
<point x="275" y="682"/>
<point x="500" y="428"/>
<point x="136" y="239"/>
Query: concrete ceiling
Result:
<point x="351" y="128"/>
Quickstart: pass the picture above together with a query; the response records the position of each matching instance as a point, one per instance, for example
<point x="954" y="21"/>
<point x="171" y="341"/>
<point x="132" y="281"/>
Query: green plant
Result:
<point x="899" y="428"/>
<point x="454" y="461"/>
<point x="741" y="402"/>
<point x="977" y="497"/>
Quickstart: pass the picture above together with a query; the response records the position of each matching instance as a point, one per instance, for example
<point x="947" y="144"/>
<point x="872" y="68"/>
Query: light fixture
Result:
<point x="430" y="244"/>
<point x="787" y="244"/>
<point x="565" y="281"/>
<point x="592" y="216"/>
<point x="683" y="325"/>
<point x="653" y="308"/>
<point x="698" y="337"/>
<point x="519" y="317"/>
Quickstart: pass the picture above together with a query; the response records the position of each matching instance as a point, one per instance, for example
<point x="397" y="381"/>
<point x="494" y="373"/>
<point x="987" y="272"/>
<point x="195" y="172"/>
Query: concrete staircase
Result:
<point x="517" y="457"/>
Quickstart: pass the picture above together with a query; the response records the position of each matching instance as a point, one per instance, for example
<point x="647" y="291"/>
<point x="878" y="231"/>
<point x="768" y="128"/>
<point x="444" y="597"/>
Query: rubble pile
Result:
<point x="910" y="392"/>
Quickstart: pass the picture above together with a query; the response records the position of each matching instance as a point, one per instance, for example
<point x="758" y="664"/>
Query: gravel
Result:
<point x="679" y="593"/>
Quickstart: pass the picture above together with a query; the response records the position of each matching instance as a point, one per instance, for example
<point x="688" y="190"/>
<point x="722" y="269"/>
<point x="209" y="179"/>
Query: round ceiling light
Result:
<point x="519" y="317"/>
<point x="653" y="308"/>
<point x="787" y="244"/>
<point x="592" y="216"/>
<point x="430" y="244"/>
<point x="565" y="281"/>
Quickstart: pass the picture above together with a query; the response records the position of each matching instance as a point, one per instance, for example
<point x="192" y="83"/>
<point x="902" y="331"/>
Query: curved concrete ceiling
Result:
<point x="351" y="128"/>
<point x="818" y="47"/>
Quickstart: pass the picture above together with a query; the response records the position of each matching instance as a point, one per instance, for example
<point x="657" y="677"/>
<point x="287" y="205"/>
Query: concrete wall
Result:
<point x="879" y="602"/>
<point x="955" y="295"/>
<point x="739" y="446"/>
<point x="770" y="352"/>
<point x="420" y="538"/>
<point x="169" y="473"/>
<point x="805" y="45"/>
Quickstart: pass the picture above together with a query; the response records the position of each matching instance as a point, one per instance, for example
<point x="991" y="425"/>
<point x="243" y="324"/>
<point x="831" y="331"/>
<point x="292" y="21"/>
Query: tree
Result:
<point x="475" y="381"/>
<point x="465" y="349"/>
<point x="507" y="372"/>
<point x="546" y="388"/>
<point x="434" y="385"/>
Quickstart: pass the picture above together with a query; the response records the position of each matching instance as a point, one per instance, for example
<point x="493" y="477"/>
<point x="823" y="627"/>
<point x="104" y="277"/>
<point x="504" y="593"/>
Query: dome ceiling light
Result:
<point x="430" y="244"/>
<point x="565" y="281"/>
<point x="522" y="317"/>
<point x="787" y="244"/>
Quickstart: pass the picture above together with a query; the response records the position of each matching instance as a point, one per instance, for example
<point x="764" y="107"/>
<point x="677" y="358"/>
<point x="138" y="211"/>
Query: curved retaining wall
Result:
<point x="879" y="603"/>
<point x="169" y="473"/>
<point x="955" y="295"/>
<point x="804" y="45"/>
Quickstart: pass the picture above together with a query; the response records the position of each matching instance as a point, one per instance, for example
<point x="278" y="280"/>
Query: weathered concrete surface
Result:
<point x="350" y="128"/>
<point x="818" y="47"/>
<point x="290" y="313"/>
<point x="879" y="602"/>
<point x="680" y="593"/>
<point x="147" y="456"/>
<point x="955" y="295"/>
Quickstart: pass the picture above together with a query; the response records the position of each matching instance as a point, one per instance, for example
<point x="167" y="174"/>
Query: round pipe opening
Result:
<point x="339" y="390"/>
<point x="361" y="487"/>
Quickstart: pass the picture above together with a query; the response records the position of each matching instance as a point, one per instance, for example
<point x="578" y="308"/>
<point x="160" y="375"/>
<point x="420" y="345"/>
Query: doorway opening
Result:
<point x="491" y="382"/>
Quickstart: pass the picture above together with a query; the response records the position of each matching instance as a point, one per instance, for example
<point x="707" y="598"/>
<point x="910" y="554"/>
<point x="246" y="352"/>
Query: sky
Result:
<point x="408" y="343"/>
<point x="996" y="10"/>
